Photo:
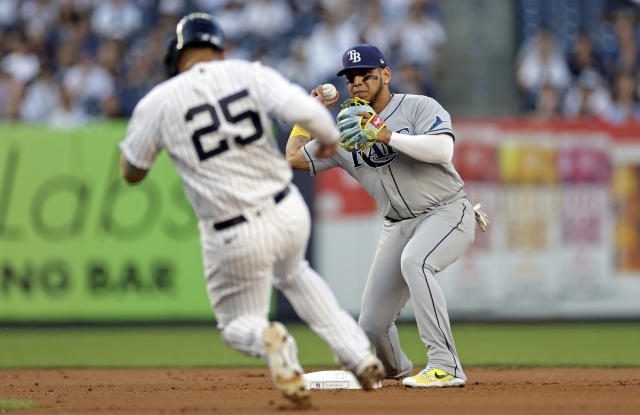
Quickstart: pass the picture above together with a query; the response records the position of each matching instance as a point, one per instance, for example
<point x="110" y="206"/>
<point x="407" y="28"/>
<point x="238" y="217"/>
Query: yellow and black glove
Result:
<point x="353" y="135"/>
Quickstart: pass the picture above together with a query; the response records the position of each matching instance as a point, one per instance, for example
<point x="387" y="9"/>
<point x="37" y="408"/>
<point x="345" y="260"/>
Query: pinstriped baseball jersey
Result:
<point x="390" y="176"/>
<point x="214" y="122"/>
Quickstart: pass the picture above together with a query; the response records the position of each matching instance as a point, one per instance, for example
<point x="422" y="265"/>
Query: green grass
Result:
<point x="560" y="344"/>
<point x="550" y="344"/>
<point x="8" y="404"/>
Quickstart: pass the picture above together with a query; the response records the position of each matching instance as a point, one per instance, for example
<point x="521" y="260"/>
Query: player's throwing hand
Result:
<point x="328" y="96"/>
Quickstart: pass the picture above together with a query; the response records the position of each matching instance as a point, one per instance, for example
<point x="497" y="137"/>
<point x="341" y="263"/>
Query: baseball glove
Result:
<point x="354" y="136"/>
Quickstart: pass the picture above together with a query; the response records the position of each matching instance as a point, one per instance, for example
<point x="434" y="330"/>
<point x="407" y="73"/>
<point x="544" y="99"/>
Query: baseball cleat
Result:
<point x="369" y="372"/>
<point x="286" y="374"/>
<point x="432" y="378"/>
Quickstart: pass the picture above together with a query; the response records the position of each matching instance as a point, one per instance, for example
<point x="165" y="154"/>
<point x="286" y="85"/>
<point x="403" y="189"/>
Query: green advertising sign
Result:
<point x="77" y="243"/>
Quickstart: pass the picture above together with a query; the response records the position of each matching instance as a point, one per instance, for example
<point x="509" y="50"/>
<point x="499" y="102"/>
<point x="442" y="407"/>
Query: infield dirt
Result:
<point x="249" y="391"/>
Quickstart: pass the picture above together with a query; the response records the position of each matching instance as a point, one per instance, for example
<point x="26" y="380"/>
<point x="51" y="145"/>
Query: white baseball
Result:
<point x="329" y="92"/>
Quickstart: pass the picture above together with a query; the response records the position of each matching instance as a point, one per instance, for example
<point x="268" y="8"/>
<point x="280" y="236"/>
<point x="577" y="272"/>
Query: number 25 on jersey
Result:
<point x="223" y="144"/>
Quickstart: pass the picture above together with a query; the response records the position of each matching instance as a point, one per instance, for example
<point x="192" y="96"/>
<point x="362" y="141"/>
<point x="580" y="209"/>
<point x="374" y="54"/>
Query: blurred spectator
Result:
<point x="396" y="10"/>
<point x="406" y="78"/>
<point x="626" y="105"/>
<point x="140" y="77"/>
<point x="419" y="28"/>
<point x="40" y="16"/>
<point x="329" y="39"/>
<point x="77" y="33"/>
<point x="46" y="102"/>
<point x="229" y="18"/>
<point x="8" y="13"/>
<point x="4" y="92"/>
<point x="211" y="5"/>
<point x="582" y="56"/>
<point x="110" y="56"/>
<point x="116" y="19"/>
<point x="11" y="93"/>
<point x="294" y="66"/>
<point x="20" y="63"/>
<point x="65" y="57"/>
<point x="66" y="116"/>
<point x="617" y="44"/>
<point x="547" y="107"/>
<point x="541" y="62"/>
<point x="171" y="7"/>
<point x="42" y="97"/>
<point x="267" y="18"/>
<point x="627" y="59"/>
<point x="374" y="31"/>
<point x="588" y="97"/>
<point x="89" y="86"/>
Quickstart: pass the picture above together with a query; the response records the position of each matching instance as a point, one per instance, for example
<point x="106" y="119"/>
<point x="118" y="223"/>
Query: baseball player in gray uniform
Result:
<point x="428" y="222"/>
<point x="213" y="116"/>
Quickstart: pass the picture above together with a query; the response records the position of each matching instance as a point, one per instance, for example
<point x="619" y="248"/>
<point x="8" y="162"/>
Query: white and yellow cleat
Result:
<point x="287" y="375"/>
<point x="432" y="378"/>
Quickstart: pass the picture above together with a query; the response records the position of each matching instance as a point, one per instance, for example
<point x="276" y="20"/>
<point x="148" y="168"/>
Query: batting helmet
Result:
<point x="194" y="29"/>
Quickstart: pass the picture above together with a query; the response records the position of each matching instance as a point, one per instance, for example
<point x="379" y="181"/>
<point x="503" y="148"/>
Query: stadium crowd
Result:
<point x="66" y="61"/>
<point x="63" y="62"/>
<point x="595" y="77"/>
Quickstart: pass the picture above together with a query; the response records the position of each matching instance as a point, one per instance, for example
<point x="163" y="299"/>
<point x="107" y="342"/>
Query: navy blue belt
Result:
<point x="240" y="219"/>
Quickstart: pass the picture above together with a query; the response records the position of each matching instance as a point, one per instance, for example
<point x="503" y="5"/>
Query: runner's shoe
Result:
<point x="369" y="372"/>
<point x="285" y="373"/>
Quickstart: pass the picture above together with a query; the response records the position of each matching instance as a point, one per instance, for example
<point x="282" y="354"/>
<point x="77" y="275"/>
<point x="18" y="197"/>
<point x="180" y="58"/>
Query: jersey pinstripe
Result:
<point x="388" y="175"/>
<point x="215" y="123"/>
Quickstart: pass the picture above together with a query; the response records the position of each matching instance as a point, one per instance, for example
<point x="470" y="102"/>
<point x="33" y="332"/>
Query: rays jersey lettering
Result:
<point x="379" y="155"/>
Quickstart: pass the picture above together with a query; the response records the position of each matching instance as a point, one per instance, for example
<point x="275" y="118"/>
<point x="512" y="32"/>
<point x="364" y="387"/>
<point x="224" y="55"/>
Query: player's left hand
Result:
<point x="356" y="131"/>
<point x="382" y="134"/>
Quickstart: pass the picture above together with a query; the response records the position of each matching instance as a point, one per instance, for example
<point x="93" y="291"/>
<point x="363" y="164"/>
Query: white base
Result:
<point x="333" y="379"/>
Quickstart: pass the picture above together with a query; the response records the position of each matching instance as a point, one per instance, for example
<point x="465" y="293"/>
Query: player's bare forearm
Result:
<point x="131" y="173"/>
<point x="384" y="136"/>
<point x="294" y="154"/>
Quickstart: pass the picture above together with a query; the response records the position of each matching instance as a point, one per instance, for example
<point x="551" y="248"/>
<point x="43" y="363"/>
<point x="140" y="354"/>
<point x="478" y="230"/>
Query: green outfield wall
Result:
<point x="77" y="243"/>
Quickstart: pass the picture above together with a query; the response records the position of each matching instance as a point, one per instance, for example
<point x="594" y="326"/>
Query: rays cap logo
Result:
<point x="354" y="56"/>
<point x="362" y="56"/>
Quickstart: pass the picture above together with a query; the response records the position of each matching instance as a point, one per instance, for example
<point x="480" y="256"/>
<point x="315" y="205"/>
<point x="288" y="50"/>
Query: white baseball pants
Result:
<point x="243" y="262"/>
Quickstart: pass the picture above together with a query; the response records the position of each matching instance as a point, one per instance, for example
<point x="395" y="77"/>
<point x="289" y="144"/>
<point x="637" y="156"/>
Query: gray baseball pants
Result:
<point x="409" y="255"/>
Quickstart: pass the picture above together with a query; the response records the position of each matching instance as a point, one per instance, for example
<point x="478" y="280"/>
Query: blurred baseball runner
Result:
<point x="400" y="147"/>
<point x="213" y="119"/>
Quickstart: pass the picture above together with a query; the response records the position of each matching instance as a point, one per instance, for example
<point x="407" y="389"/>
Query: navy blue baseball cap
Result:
<point x="362" y="56"/>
